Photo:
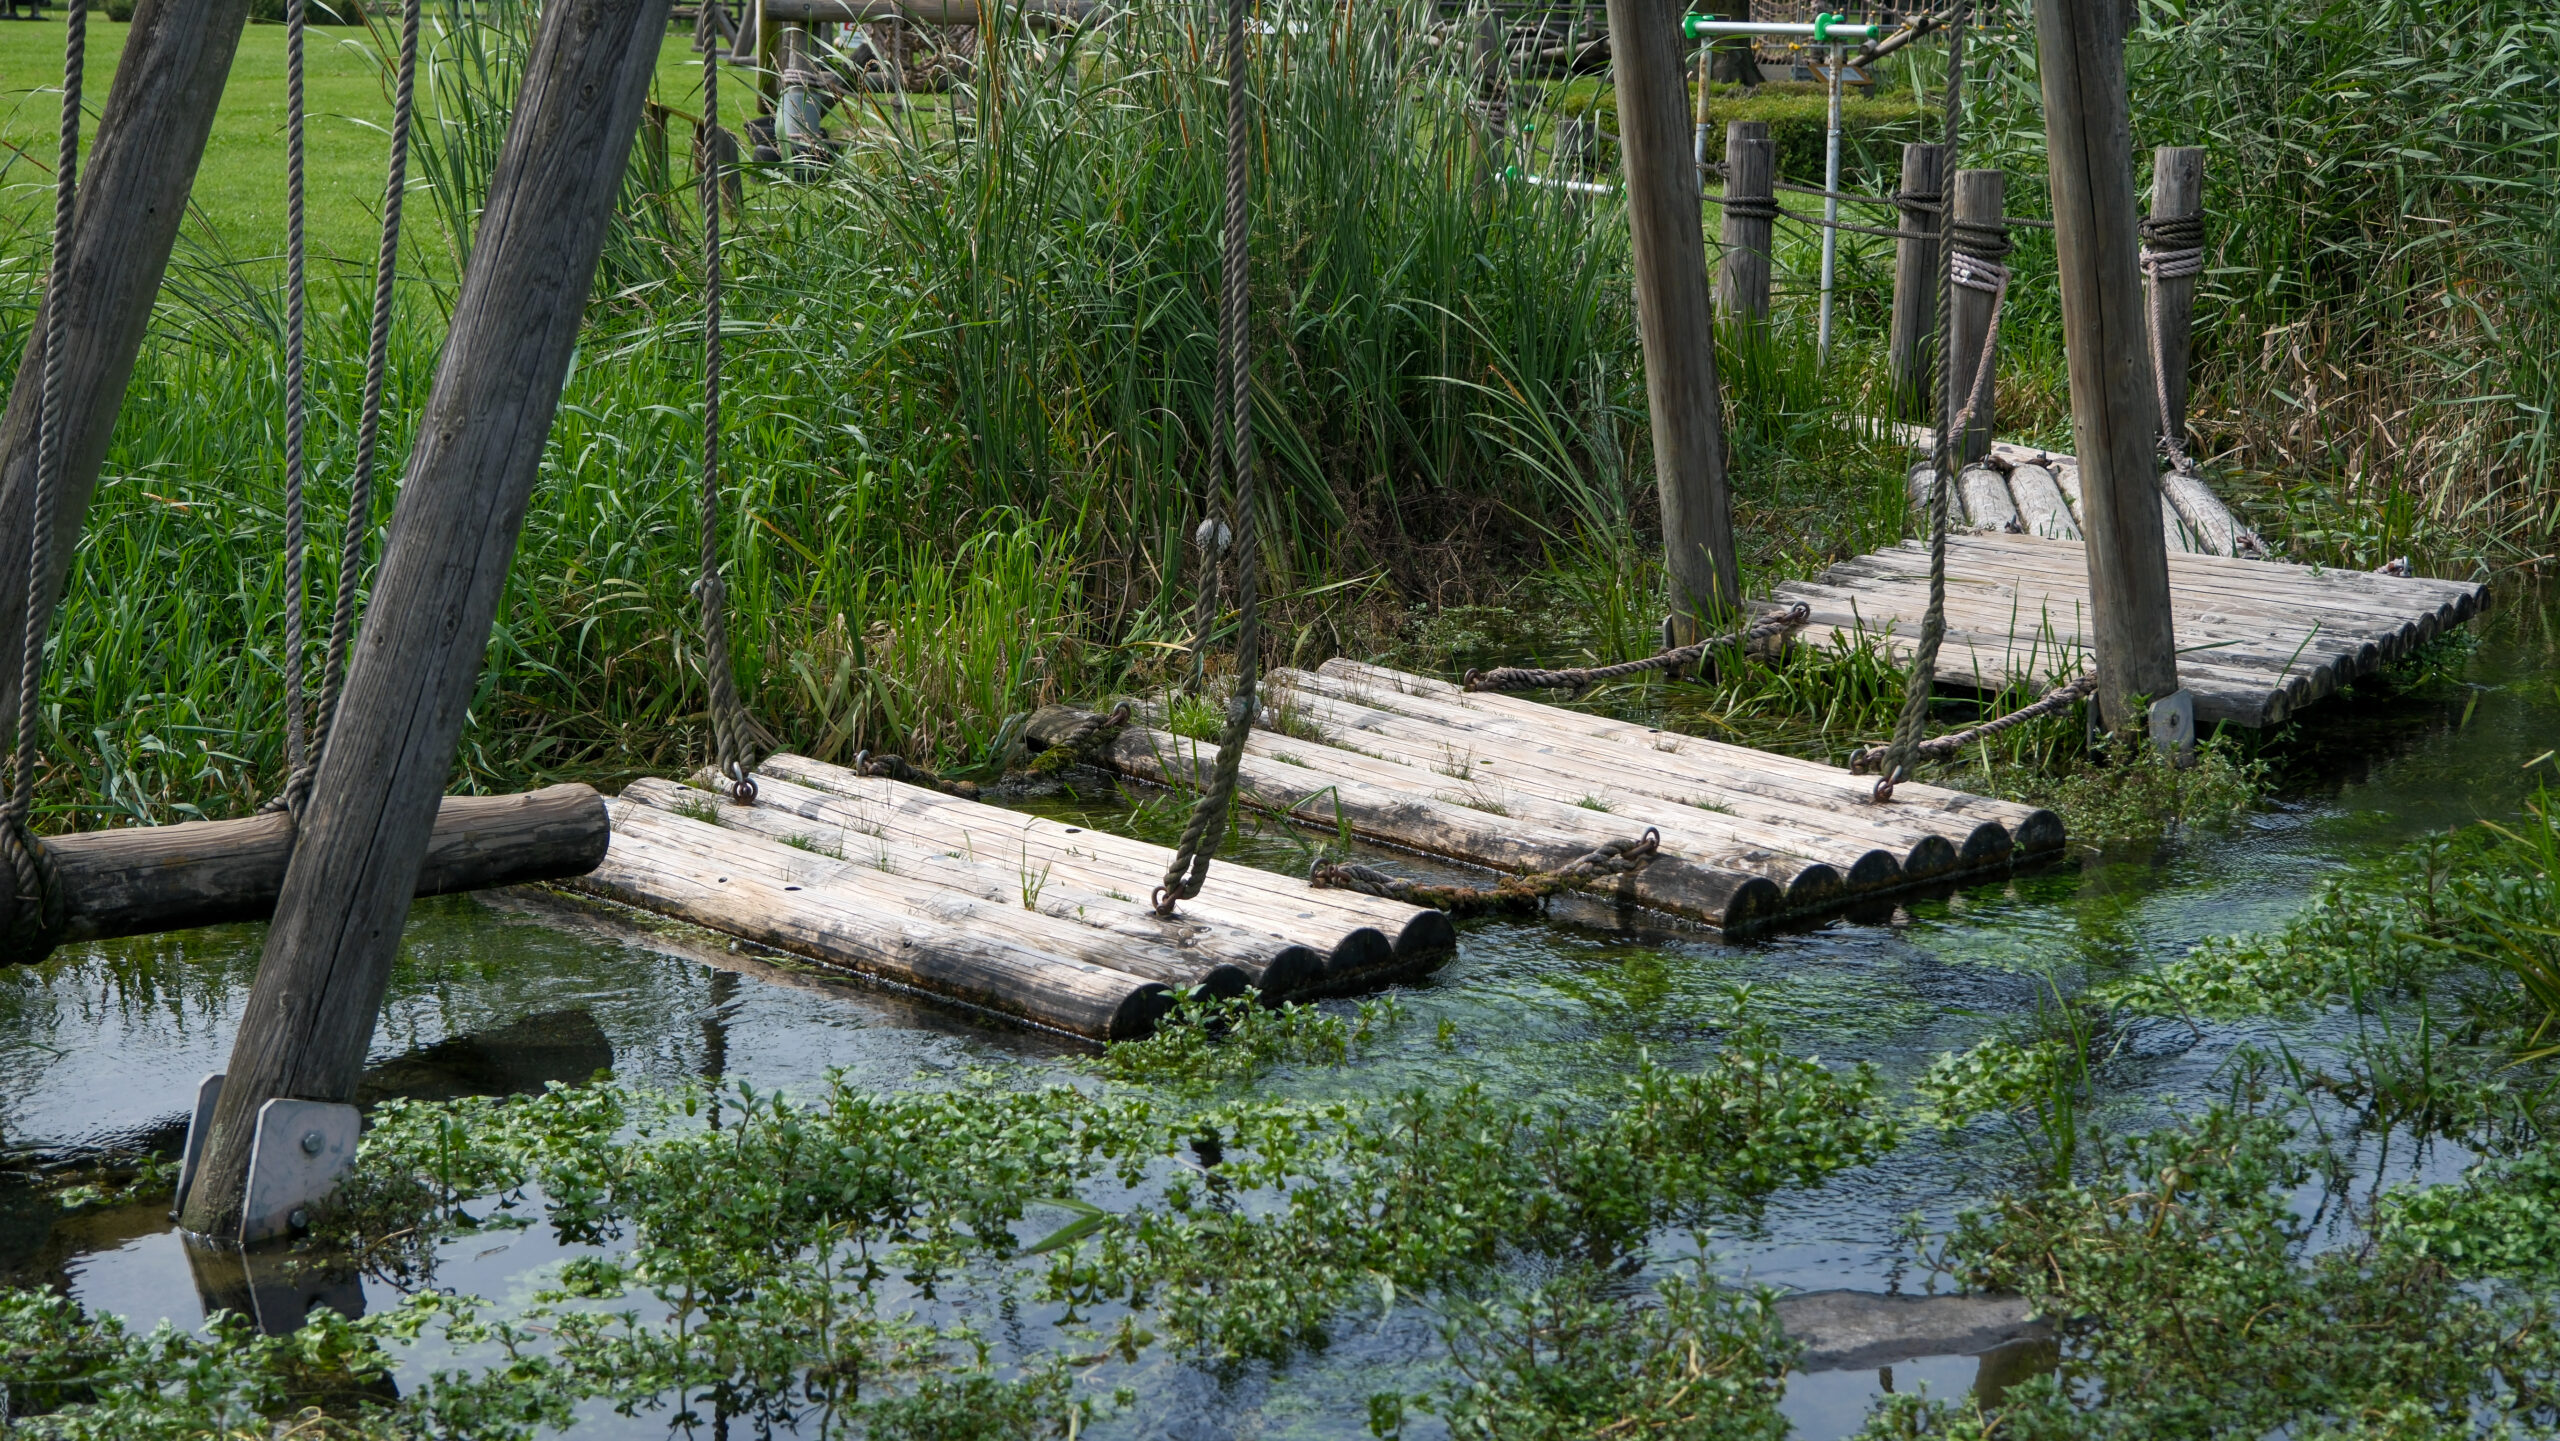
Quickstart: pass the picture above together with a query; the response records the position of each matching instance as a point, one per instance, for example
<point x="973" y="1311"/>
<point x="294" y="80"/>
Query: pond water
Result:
<point x="101" y="1048"/>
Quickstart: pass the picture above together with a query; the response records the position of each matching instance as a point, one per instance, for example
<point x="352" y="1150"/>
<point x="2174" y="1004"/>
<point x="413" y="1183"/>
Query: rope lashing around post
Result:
<point x="1517" y="895"/>
<point x="1516" y="677"/>
<point x="736" y="738"/>
<point x="2172" y="249"/>
<point x="2062" y="697"/>
<point x="1748" y="207"/>
<point x="36" y="921"/>
<point x="1952" y="235"/>
<point x="1234" y="406"/>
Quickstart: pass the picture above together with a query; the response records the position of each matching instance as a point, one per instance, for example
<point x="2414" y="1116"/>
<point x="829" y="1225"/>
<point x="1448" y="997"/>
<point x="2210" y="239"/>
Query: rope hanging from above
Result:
<point x="1232" y="405"/>
<point x="36" y="922"/>
<point x="737" y="740"/>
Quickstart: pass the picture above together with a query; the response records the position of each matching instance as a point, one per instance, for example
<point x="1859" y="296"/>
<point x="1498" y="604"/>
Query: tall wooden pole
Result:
<point x="1978" y="196"/>
<point x="2177" y="193"/>
<point x="132" y="195"/>
<point x="364" y="831"/>
<point x="1915" y="279"/>
<point x="1670" y="252"/>
<point x="2089" y="145"/>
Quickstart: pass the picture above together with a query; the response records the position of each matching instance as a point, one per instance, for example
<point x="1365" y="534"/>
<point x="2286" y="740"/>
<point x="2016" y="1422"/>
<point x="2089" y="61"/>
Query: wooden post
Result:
<point x="1670" y="253"/>
<point x="133" y="192"/>
<point x="1977" y="196"/>
<point x="1915" y="280"/>
<point x="1750" y="176"/>
<point x="2089" y="143"/>
<point x="364" y="830"/>
<point x="2177" y="193"/>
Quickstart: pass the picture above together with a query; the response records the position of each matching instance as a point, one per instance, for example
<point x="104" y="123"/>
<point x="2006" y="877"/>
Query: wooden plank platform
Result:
<point x="1030" y="918"/>
<point x="1748" y="838"/>
<point x="2257" y="639"/>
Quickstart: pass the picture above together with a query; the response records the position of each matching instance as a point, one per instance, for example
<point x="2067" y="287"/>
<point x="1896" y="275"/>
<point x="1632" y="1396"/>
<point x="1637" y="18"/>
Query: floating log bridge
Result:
<point x="1748" y="838"/>
<point x="1027" y="917"/>
<point x="2257" y="640"/>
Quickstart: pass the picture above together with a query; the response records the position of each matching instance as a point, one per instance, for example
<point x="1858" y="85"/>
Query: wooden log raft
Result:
<point x="169" y="878"/>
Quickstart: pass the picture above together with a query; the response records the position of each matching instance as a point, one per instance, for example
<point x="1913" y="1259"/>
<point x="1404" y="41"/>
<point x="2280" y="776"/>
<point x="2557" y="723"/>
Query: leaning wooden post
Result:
<point x="2089" y="143"/>
<point x="140" y="169"/>
<point x="2176" y="226"/>
<point x="364" y="830"/>
<point x="1977" y="196"/>
<point x="1915" y="279"/>
<point x="1672" y="313"/>
<point x="1750" y="209"/>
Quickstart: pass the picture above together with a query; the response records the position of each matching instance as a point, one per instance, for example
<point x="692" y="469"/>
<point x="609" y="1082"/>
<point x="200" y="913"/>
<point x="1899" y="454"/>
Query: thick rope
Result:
<point x="1933" y="626"/>
<point x="36" y="921"/>
<point x="2061" y="697"/>
<point x="377" y="364"/>
<point x="2172" y="249"/>
<point x="1516" y="677"/>
<point x="297" y="739"/>
<point x="1200" y="837"/>
<point x="735" y="736"/>
<point x="1519" y="894"/>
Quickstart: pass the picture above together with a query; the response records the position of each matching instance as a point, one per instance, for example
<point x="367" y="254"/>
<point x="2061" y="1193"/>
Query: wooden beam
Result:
<point x="337" y="926"/>
<point x="1915" y="282"/>
<point x="2089" y="147"/>
<point x="1977" y="196"/>
<point x="133" y="193"/>
<point x="2177" y="192"/>
<point x="147" y="879"/>
<point x="1670" y="252"/>
<point x="1750" y="176"/>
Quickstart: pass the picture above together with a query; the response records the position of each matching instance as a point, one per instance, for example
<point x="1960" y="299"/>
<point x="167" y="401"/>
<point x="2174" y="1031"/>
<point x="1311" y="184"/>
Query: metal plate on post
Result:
<point x="2173" y="724"/>
<point x="199" y="1125"/>
<point x="295" y="1159"/>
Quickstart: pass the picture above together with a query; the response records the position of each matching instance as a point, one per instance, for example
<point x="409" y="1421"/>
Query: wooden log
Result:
<point x="2032" y="828"/>
<point x="1525" y="777"/>
<point x="1223" y="957"/>
<point x="1987" y="505"/>
<point x="148" y="879"/>
<point x="516" y="319"/>
<point x="1913" y="339"/>
<point x="1733" y="900"/>
<point x="2177" y="192"/>
<point x="2206" y="521"/>
<point x="2043" y="510"/>
<point x="906" y="880"/>
<point x="141" y="166"/>
<point x="1374" y="934"/>
<point x="684" y="868"/>
<point x="2089" y="142"/>
<point x="1750" y="175"/>
<point x="1669" y="252"/>
<point x="1928" y="841"/>
<point x="1978" y="196"/>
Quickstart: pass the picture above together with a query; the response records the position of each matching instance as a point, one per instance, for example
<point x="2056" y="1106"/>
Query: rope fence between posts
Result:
<point x="1514" y="896"/>
<point x="1760" y="632"/>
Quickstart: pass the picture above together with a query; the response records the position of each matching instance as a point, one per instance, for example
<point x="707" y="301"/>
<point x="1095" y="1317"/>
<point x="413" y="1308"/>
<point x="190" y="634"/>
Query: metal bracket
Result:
<point x="2173" y="725"/>
<point x="199" y="1128"/>
<point x="295" y="1159"/>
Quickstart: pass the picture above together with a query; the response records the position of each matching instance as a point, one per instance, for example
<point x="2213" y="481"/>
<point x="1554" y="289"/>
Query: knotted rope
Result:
<point x="1200" y="836"/>
<point x="736" y="738"/>
<point x="1516" y="895"/>
<point x="2061" y="697"/>
<point x="2172" y="249"/>
<point x="1952" y="234"/>
<point x="36" y="922"/>
<point x="1515" y="677"/>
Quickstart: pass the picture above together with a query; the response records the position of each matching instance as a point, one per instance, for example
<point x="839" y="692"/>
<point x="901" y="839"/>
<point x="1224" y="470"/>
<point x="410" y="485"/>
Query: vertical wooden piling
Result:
<point x="364" y="831"/>
<point x="2089" y="144"/>
<point x="141" y="166"/>
<point x="1977" y="196"/>
<point x="2177" y="193"/>
<point x="1750" y="176"/>
<point x="1678" y="329"/>
<point x="1915" y="280"/>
